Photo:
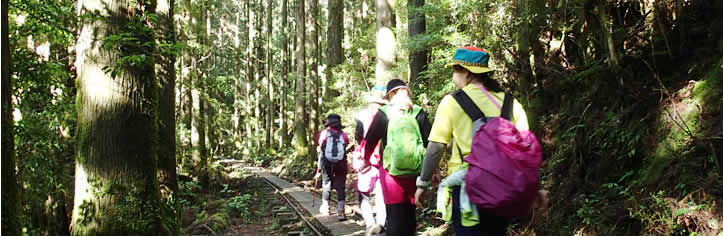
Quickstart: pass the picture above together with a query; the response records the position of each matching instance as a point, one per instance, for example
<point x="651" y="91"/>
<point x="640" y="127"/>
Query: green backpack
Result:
<point x="404" y="150"/>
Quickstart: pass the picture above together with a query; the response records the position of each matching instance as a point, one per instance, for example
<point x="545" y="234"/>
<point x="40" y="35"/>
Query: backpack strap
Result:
<point x="507" y="106"/>
<point x="468" y="105"/>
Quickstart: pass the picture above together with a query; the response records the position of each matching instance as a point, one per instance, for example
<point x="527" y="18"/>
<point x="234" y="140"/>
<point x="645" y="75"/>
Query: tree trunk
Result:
<point x="198" y="131"/>
<point x="166" y="72"/>
<point x="417" y="25"/>
<point x="237" y="81"/>
<point x="249" y="76"/>
<point x="386" y="42"/>
<point x="10" y="202"/>
<point x="314" y="69"/>
<point x="203" y="104"/>
<point x="188" y="101"/>
<point x="335" y="34"/>
<point x="116" y="182"/>
<point x="198" y="124"/>
<point x="259" y="72"/>
<point x="299" y="126"/>
<point x="269" y="75"/>
<point x="523" y="51"/>
<point x="284" y="70"/>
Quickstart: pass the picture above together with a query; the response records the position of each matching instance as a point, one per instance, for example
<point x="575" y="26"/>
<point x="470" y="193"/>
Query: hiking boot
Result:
<point x="324" y="209"/>
<point x="374" y="230"/>
<point x="340" y="211"/>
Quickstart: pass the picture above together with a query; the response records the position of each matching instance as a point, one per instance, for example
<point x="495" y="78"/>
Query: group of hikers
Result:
<point x="491" y="173"/>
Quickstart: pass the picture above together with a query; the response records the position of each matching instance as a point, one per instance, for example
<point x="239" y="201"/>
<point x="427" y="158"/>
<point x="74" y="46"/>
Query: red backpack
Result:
<point x="504" y="162"/>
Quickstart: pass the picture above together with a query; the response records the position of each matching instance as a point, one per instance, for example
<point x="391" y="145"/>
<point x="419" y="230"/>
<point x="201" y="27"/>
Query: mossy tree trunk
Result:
<point x="300" y="114"/>
<point x="166" y="72"/>
<point x="116" y="182"/>
<point x="525" y="35"/>
<point x="10" y="203"/>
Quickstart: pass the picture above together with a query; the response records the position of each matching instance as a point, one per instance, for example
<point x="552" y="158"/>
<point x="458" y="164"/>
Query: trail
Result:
<point x="302" y="200"/>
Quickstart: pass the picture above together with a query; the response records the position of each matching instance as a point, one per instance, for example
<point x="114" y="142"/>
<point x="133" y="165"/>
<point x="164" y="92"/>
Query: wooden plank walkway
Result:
<point x="304" y="199"/>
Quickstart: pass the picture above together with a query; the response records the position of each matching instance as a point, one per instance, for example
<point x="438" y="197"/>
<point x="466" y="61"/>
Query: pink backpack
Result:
<point x="504" y="162"/>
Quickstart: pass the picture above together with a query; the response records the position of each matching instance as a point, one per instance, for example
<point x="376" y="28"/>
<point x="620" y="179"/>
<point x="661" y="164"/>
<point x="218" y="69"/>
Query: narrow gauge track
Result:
<point x="300" y="212"/>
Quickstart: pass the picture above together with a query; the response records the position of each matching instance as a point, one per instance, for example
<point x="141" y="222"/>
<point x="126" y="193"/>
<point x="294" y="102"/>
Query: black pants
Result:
<point x="490" y="224"/>
<point x="401" y="220"/>
<point x="333" y="175"/>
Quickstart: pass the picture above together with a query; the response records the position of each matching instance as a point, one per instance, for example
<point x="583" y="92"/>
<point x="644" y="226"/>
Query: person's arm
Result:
<point x="424" y="126"/>
<point x="377" y="131"/>
<point x="348" y="147"/>
<point x="431" y="162"/>
<point x="359" y="131"/>
<point x="319" y="142"/>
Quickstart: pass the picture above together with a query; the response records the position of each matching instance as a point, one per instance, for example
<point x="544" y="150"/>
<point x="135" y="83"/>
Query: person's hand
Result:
<point x="317" y="176"/>
<point x="418" y="197"/>
<point x="436" y="178"/>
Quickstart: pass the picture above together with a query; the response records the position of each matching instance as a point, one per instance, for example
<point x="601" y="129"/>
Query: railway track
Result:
<point x="300" y="205"/>
<point x="299" y="210"/>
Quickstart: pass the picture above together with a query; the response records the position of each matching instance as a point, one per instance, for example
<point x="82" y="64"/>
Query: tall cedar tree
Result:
<point x="116" y="182"/>
<point x="314" y="71"/>
<point x="10" y="207"/>
<point x="269" y="75"/>
<point x="335" y="34"/>
<point x="300" y="114"/>
<point x="249" y="74"/>
<point x="417" y="26"/>
<point x="259" y="76"/>
<point x="198" y="123"/>
<point x="237" y="81"/>
<point x="284" y="70"/>
<point x="166" y="72"/>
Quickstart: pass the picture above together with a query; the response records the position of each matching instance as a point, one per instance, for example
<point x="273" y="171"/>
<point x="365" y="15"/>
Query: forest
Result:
<point x="117" y="114"/>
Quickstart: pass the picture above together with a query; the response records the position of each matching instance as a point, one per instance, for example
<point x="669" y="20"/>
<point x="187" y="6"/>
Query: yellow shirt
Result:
<point x="451" y="121"/>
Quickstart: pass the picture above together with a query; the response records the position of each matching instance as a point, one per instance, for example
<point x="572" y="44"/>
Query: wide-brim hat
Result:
<point x="473" y="59"/>
<point x="332" y="118"/>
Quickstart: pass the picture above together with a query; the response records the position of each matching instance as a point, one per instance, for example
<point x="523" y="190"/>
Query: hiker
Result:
<point x="471" y="77"/>
<point x="331" y="164"/>
<point x="368" y="168"/>
<point x="402" y="129"/>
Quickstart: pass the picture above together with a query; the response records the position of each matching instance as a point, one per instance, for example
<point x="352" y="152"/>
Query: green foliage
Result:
<point x="133" y="42"/>
<point x="654" y="213"/>
<point x="43" y="96"/>
<point x="240" y="205"/>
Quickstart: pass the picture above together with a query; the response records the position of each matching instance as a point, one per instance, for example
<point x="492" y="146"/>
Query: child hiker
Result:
<point x="368" y="168"/>
<point x="331" y="164"/>
<point x="402" y="129"/>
